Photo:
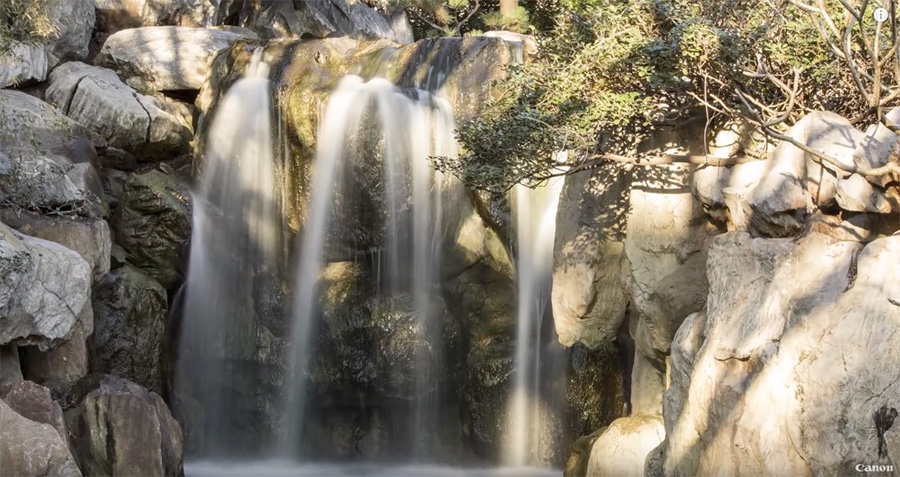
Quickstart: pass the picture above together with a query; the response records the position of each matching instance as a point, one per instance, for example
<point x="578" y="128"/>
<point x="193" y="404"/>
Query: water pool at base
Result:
<point x="284" y="468"/>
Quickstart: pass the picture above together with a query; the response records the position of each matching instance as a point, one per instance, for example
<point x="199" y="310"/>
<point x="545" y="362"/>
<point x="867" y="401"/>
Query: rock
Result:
<point x="62" y="366"/>
<point x="861" y="228"/>
<point x="130" y="314"/>
<point x="588" y="297"/>
<point x="29" y="448"/>
<point x="73" y="21"/>
<point x="648" y="382"/>
<point x="22" y="64"/>
<point x="794" y="365"/>
<point x="856" y="194"/>
<point x="43" y="288"/>
<point x="89" y="237"/>
<point x="116" y="15"/>
<point x="145" y="126"/>
<point x="485" y="390"/>
<point x="10" y="367"/>
<point x="153" y="224"/>
<point x="527" y="43"/>
<point x="166" y="58"/>
<point x="594" y="390"/>
<point x="666" y="228"/>
<point x="33" y="401"/>
<point x="42" y="166"/>
<point x="120" y="428"/>
<point x="324" y="18"/>
<point x="623" y="447"/>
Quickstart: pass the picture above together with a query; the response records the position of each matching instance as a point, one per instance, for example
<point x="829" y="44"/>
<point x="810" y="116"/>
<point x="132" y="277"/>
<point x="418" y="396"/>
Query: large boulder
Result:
<point x="23" y="63"/>
<point x="588" y="296"/>
<point x="166" y="58"/>
<point x="116" y="15"/>
<point x="46" y="164"/>
<point x="62" y="366"/>
<point x="324" y="18"/>
<point x="89" y="237"/>
<point x="791" y="369"/>
<point x="33" y="401"/>
<point x="130" y="315"/>
<point x="43" y="288"/>
<point x="29" y="448"/>
<point x="120" y="428"/>
<point x="73" y="21"/>
<point x="153" y="225"/>
<point x="146" y="126"/>
<point x="622" y="448"/>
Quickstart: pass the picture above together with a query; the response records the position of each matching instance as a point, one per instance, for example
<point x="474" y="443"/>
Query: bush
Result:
<point x="24" y="21"/>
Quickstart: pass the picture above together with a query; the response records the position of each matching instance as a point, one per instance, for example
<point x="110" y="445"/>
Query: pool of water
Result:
<point x="272" y="468"/>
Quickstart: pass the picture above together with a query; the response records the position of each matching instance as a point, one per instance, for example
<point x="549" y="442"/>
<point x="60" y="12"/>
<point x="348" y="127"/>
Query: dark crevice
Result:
<point x="149" y="118"/>
<point x="72" y="96"/>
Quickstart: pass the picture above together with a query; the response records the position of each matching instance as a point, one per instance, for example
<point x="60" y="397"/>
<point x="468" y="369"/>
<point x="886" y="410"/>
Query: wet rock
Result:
<point x="622" y="448"/>
<point x="162" y="58"/>
<point x="43" y="288"/>
<point x="62" y="366"/>
<point x="324" y="18"/>
<point x="89" y="237"/>
<point x="73" y="21"/>
<point x="130" y="314"/>
<point x="29" y="448"/>
<point x="778" y="377"/>
<point x="146" y="126"/>
<point x="41" y="167"/>
<point x="120" y="428"/>
<point x="23" y="63"/>
<point x="153" y="225"/>
<point x="33" y="401"/>
<point x="588" y="296"/>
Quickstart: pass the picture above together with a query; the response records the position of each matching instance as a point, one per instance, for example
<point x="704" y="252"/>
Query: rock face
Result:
<point x="621" y="448"/>
<point x="43" y="288"/>
<point x="74" y="23"/>
<point x="29" y="448"/>
<point x="130" y="312"/>
<point x="115" y="15"/>
<point x="324" y="18"/>
<point x="146" y="126"/>
<point x="804" y="324"/>
<point x="23" y="63"/>
<point x="45" y="164"/>
<point x="588" y="298"/>
<point x="62" y="366"/>
<point x="120" y="428"/>
<point x="33" y="401"/>
<point x="153" y="225"/>
<point x="166" y="58"/>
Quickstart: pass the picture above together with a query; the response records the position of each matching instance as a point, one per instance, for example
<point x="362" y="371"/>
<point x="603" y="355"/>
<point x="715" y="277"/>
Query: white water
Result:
<point x="236" y="240"/>
<point x="535" y="224"/>
<point x="292" y="469"/>
<point x="413" y="130"/>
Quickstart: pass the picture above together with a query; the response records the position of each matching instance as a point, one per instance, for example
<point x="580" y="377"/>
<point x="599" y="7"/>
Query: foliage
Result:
<point x="24" y="21"/>
<point x="609" y="72"/>
<point x="430" y="18"/>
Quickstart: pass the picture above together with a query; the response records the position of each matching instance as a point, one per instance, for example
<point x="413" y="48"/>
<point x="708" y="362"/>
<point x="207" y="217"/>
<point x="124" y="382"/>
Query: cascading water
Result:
<point x="236" y="243"/>
<point x="535" y="225"/>
<point x="412" y="130"/>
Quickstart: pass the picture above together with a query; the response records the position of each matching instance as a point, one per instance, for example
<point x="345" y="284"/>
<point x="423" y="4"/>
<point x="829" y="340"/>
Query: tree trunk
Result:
<point x="507" y="7"/>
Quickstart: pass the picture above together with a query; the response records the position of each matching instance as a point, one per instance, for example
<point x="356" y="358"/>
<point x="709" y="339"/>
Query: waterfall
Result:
<point x="535" y="225"/>
<point x="236" y="242"/>
<point x="414" y="126"/>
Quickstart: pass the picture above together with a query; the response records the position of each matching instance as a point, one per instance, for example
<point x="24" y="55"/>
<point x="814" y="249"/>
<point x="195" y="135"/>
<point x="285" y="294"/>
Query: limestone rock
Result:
<point x="153" y="224"/>
<point x="29" y="125"/>
<point x="116" y="15"/>
<point x="588" y="297"/>
<point x="29" y="448"/>
<point x="324" y="18"/>
<point x="856" y="194"/>
<point x="130" y="313"/>
<point x="89" y="237"/>
<point x="623" y="447"/>
<point x="166" y="57"/>
<point x="33" y="401"/>
<point x="62" y="366"/>
<point x="146" y="126"/>
<point x="74" y="24"/>
<point x="792" y="370"/>
<point x="120" y="428"/>
<point x="23" y="63"/>
<point x="10" y="366"/>
<point x="43" y="288"/>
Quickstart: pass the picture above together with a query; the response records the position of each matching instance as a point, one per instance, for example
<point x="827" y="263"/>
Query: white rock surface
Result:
<point x="74" y="23"/>
<point x="794" y="367"/>
<point x="22" y="63"/>
<point x="43" y="287"/>
<point x="116" y="15"/>
<point x="166" y="57"/>
<point x="622" y="448"/>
